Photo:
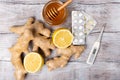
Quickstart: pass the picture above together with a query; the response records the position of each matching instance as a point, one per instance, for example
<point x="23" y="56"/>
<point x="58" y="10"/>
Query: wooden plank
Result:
<point x="6" y="41"/>
<point x="109" y="51"/>
<point x="6" y="71"/>
<point x="73" y="71"/>
<point x="45" y="1"/>
<point x="81" y="71"/>
<point x="18" y="14"/>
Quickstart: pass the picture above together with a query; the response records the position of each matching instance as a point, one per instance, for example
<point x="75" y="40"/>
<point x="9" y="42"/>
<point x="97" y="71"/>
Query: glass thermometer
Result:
<point x="95" y="48"/>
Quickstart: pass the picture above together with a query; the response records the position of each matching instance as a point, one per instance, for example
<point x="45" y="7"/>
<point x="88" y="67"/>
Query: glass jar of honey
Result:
<point x="60" y="18"/>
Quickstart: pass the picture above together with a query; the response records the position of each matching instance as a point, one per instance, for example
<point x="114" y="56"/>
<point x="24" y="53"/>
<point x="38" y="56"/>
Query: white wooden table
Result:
<point x="107" y="65"/>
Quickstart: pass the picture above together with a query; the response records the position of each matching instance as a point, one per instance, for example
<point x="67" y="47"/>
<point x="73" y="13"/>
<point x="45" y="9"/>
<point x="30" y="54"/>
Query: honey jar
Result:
<point x="61" y="16"/>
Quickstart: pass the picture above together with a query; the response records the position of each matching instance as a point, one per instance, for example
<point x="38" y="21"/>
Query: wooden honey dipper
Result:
<point x="53" y="12"/>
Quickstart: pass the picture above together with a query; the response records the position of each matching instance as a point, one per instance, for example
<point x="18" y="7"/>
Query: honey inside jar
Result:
<point x="60" y="18"/>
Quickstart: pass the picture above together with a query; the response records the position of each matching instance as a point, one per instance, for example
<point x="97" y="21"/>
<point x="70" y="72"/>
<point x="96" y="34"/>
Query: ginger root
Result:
<point x="32" y="31"/>
<point x="20" y="47"/>
<point x="20" y="29"/>
<point x="35" y="26"/>
<point x="65" y="56"/>
<point x="43" y="43"/>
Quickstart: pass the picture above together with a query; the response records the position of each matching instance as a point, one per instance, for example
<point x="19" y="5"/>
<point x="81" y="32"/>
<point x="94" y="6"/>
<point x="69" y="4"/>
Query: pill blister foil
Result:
<point x="78" y="22"/>
<point x="82" y="25"/>
<point x="90" y="23"/>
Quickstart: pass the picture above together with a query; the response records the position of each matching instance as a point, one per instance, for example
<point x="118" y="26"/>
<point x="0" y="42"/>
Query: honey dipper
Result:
<point x="53" y="12"/>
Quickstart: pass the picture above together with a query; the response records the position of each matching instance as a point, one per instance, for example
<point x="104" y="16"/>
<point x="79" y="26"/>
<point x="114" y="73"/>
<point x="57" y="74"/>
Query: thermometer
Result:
<point x="95" y="48"/>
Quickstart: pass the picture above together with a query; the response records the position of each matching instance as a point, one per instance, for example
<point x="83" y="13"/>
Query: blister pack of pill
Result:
<point x="82" y="25"/>
<point x="90" y="23"/>
<point x="78" y="30"/>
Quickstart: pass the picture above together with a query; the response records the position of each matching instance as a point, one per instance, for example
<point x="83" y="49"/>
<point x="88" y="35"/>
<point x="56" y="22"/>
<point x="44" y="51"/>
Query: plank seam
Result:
<point x="90" y="33"/>
<point x="30" y="3"/>
<point x="77" y="61"/>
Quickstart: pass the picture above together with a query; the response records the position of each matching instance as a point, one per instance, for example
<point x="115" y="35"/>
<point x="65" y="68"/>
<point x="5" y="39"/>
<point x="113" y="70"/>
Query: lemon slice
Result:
<point x="33" y="62"/>
<point x="62" y="38"/>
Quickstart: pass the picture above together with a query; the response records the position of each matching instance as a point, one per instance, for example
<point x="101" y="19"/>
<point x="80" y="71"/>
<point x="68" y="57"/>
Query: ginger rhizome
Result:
<point x="32" y="31"/>
<point x="65" y="56"/>
<point x="20" y="47"/>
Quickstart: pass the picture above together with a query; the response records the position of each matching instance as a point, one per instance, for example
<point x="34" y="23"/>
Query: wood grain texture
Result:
<point x="110" y="45"/>
<point x="27" y="2"/>
<point x="106" y="67"/>
<point x="18" y="14"/>
<point x="74" y="71"/>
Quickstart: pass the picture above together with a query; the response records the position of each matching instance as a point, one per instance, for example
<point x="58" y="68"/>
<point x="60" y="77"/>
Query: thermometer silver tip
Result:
<point x="100" y="36"/>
